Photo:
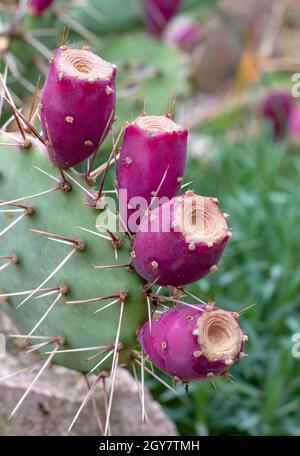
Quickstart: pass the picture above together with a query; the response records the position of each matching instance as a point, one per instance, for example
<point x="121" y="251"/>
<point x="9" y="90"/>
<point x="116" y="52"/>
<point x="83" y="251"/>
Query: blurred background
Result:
<point x="230" y="71"/>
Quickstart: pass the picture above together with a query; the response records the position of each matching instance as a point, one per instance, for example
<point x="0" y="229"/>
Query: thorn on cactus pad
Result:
<point x="50" y="276"/>
<point x="41" y="371"/>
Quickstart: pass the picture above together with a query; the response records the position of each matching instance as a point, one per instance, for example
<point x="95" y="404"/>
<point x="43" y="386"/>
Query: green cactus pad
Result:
<point x="61" y="213"/>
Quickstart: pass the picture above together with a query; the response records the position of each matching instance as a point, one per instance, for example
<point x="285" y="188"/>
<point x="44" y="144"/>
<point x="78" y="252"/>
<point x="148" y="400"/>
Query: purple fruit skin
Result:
<point x="38" y="7"/>
<point x="150" y="155"/>
<point x="294" y="123"/>
<point x="157" y="13"/>
<point x="184" y="33"/>
<point x="175" y="327"/>
<point x="177" y="264"/>
<point x="277" y="107"/>
<point x="88" y="104"/>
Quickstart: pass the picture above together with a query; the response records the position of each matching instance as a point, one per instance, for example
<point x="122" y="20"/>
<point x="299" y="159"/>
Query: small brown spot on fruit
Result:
<point x="88" y="143"/>
<point x="154" y="265"/>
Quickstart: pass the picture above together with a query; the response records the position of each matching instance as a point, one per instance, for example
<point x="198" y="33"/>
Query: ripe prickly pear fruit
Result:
<point x="157" y="13"/>
<point x="193" y="344"/>
<point x="276" y="107"/>
<point x="77" y="105"/>
<point x="38" y="7"/>
<point x="152" y="164"/>
<point x="183" y="32"/>
<point x="181" y="241"/>
<point x="294" y="123"/>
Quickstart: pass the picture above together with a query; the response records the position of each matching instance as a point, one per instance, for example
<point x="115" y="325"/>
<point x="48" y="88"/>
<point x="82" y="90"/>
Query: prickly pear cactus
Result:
<point x="85" y="294"/>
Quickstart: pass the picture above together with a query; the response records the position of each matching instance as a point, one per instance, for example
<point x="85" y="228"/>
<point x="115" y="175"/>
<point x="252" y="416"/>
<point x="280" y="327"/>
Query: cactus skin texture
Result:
<point x="38" y="7"/>
<point x="193" y="344"/>
<point x="277" y="107"/>
<point x="157" y="14"/>
<point x="169" y="250"/>
<point x="183" y="32"/>
<point x="77" y="105"/>
<point x="62" y="213"/>
<point x="153" y="155"/>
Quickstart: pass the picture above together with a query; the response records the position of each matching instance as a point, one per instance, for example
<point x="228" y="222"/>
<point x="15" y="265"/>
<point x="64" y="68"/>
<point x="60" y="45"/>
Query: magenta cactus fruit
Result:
<point x="77" y="105"/>
<point x="277" y="107"/>
<point x="183" y="32"/>
<point x="192" y="343"/>
<point x="180" y="241"/>
<point x="157" y="13"/>
<point x="38" y="7"/>
<point x="294" y="123"/>
<point x="152" y="164"/>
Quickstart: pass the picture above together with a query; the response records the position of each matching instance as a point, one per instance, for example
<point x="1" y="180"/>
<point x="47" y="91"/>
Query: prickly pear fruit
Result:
<point x="183" y="32"/>
<point x="193" y="343"/>
<point x="157" y="13"/>
<point x="77" y="105"/>
<point x="180" y="241"/>
<point x="38" y="7"/>
<point x="276" y="107"/>
<point x="152" y="164"/>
